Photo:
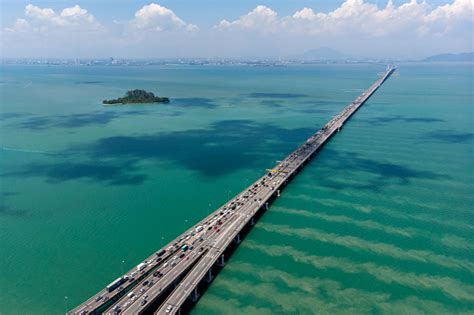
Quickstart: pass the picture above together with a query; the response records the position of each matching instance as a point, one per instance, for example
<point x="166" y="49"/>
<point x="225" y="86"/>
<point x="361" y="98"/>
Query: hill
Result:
<point x="469" y="56"/>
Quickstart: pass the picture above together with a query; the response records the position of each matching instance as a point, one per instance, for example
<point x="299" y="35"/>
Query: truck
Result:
<point x="114" y="285"/>
<point x="141" y="266"/>
<point x="184" y="247"/>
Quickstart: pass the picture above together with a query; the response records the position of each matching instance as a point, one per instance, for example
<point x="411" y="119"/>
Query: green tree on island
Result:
<point x="137" y="96"/>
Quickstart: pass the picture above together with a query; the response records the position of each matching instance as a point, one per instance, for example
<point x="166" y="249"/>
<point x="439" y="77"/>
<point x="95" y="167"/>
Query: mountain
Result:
<point x="451" y="57"/>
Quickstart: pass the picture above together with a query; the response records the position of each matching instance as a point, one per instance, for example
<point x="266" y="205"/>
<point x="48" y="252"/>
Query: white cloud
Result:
<point x="361" y="18"/>
<point x="261" y="18"/>
<point x="45" y="19"/>
<point x="21" y="25"/>
<point x="44" y="32"/>
<point x="450" y="17"/>
<point x="76" y="13"/>
<point x="158" y="18"/>
<point x="36" y="12"/>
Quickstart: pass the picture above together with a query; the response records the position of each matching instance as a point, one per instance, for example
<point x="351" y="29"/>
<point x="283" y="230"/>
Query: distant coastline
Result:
<point x="137" y="97"/>
<point x="463" y="57"/>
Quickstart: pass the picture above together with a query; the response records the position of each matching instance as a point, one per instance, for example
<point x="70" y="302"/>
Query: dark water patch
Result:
<point x="399" y="118"/>
<point x="7" y="210"/>
<point x="93" y="118"/>
<point x="275" y="95"/>
<point x="450" y="136"/>
<point x="4" y="194"/>
<point x="322" y="102"/>
<point x="75" y="120"/>
<point x="12" y="212"/>
<point x="271" y="103"/>
<point x="111" y="174"/>
<point x="172" y="114"/>
<point x="35" y="123"/>
<point x="194" y="102"/>
<point x="384" y="173"/>
<point x="89" y="82"/>
<point x="221" y="149"/>
<point x="313" y="111"/>
<point x="13" y="115"/>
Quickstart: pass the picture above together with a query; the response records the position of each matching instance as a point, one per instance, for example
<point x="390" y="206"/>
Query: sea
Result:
<point x="381" y="221"/>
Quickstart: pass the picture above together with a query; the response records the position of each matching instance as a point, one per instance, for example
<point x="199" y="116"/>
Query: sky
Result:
<point x="404" y="29"/>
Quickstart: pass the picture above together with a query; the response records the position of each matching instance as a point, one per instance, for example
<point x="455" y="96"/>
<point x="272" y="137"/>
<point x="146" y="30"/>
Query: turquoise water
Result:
<point x="380" y="222"/>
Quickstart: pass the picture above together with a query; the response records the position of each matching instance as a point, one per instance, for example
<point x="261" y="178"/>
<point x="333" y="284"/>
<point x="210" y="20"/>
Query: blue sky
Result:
<point x="204" y="12"/>
<point x="407" y="29"/>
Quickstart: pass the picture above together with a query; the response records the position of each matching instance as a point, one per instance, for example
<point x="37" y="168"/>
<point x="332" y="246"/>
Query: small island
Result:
<point x="137" y="97"/>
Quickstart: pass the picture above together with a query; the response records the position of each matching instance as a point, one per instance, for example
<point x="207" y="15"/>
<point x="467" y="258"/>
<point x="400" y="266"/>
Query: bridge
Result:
<point x="170" y="279"/>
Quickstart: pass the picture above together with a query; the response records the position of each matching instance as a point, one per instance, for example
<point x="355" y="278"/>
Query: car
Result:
<point x="168" y="309"/>
<point x="143" y="302"/>
<point x="145" y="282"/>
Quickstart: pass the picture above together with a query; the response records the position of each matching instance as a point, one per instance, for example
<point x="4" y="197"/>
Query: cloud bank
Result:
<point x="411" y="29"/>
<point x="46" y="20"/>
<point x="158" y="18"/>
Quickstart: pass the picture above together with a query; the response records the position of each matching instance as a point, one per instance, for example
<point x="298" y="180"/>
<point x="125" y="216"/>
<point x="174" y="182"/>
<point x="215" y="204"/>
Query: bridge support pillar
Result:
<point x="194" y="295"/>
<point x="266" y="205"/>
<point x="208" y="278"/>
<point x="278" y="193"/>
<point x="220" y="261"/>
<point x="252" y="221"/>
<point x="237" y="239"/>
